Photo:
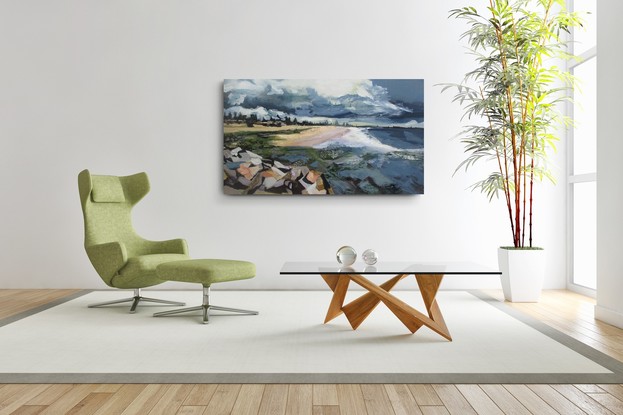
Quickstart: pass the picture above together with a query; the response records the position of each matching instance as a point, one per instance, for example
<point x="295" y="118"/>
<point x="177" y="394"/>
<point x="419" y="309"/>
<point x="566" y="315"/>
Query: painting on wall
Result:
<point x="323" y="137"/>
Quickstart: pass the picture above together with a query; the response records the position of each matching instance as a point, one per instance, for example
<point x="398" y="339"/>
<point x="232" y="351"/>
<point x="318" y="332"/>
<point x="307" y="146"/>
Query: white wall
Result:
<point x="609" y="150"/>
<point x="125" y="86"/>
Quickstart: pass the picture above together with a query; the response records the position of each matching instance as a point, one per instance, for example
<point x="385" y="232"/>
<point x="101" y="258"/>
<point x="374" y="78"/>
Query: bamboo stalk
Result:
<point x="513" y="138"/>
<point x="505" y="176"/>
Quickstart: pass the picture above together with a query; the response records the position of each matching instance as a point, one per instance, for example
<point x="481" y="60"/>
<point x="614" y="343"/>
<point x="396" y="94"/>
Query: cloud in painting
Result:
<point x="350" y="99"/>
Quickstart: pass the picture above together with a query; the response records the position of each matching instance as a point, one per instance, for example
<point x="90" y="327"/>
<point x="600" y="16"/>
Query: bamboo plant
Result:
<point x="513" y="97"/>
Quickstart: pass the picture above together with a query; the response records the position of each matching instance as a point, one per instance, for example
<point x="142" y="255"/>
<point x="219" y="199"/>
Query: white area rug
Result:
<point x="287" y="342"/>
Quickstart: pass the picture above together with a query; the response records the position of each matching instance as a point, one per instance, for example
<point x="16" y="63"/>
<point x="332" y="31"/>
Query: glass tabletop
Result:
<point x="389" y="268"/>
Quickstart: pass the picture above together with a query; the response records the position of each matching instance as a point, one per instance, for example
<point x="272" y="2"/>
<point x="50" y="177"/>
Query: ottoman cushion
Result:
<point x="206" y="271"/>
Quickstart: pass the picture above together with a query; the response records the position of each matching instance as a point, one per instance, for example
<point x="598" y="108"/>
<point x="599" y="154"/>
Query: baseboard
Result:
<point x="609" y="316"/>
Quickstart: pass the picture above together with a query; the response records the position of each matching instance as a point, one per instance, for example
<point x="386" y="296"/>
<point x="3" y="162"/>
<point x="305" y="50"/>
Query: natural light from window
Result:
<point x="582" y="169"/>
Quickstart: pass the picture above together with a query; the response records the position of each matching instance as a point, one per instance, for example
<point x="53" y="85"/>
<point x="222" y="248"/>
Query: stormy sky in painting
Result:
<point x="379" y="102"/>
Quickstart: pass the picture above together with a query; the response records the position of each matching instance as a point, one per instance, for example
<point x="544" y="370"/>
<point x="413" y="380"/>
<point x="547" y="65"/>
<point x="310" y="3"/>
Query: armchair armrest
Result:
<point x="107" y="259"/>
<point x="172" y="246"/>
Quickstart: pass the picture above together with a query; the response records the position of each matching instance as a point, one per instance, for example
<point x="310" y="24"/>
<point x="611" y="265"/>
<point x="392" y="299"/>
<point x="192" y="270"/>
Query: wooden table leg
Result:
<point x="331" y="280"/>
<point x="339" y="286"/>
<point x="410" y="317"/>
<point x="429" y="285"/>
<point x="358" y="310"/>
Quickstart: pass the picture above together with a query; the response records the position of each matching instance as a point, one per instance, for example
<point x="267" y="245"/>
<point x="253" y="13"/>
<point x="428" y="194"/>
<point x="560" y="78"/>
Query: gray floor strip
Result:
<point x="463" y="378"/>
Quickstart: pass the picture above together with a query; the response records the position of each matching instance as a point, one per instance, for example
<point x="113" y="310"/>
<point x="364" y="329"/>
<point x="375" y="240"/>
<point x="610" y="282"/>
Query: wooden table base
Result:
<point x="358" y="310"/>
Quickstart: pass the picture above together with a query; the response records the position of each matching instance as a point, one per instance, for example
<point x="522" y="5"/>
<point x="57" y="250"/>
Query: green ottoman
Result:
<point x="205" y="272"/>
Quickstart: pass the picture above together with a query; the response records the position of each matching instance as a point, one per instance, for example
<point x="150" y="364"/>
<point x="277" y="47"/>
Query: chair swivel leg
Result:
<point x="135" y="300"/>
<point x="205" y="307"/>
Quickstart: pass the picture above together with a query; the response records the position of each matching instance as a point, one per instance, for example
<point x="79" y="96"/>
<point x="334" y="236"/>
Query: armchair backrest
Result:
<point x="107" y="203"/>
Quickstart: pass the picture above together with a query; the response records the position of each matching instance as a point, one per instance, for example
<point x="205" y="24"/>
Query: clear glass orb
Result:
<point x="346" y="255"/>
<point x="370" y="256"/>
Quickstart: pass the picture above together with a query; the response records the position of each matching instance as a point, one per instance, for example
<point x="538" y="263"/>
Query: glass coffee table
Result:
<point x="427" y="274"/>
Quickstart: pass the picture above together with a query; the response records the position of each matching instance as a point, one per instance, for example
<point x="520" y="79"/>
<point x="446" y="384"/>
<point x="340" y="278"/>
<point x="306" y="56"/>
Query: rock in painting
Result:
<point x="269" y="177"/>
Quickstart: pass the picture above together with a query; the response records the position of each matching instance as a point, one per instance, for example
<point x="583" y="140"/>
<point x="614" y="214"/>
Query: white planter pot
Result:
<point x="523" y="271"/>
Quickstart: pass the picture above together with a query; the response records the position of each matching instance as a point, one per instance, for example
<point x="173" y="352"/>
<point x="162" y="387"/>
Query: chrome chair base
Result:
<point x="135" y="300"/>
<point x="205" y="308"/>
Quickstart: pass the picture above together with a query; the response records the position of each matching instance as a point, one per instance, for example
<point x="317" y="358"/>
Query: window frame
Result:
<point x="573" y="179"/>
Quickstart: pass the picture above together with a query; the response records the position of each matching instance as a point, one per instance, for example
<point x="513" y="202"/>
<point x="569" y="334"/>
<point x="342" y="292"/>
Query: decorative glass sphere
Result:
<point x="346" y="255"/>
<point x="370" y="256"/>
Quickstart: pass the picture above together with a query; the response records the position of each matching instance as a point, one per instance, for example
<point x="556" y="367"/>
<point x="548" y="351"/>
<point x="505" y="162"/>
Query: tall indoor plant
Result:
<point x="512" y="95"/>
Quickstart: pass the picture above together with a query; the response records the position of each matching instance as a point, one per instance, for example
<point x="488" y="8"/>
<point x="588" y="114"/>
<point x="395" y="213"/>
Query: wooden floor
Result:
<point x="568" y="312"/>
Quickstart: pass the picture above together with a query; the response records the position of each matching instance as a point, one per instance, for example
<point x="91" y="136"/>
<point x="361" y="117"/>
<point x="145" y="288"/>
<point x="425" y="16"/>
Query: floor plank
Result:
<point x="249" y="400"/>
<point x="614" y="390"/>
<point x="192" y="410"/>
<point x="530" y="400"/>
<point x="590" y="388"/>
<point x="69" y="399"/>
<point x="29" y="410"/>
<point x="608" y="401"/>
<point x="402" y="400"/>
<point x="223" y="399"/>
<point x="504" y="400"/>
<point x="554" y="399"/>
<point x="434" y="410"/>
<point x="274" y="400"/>
<point x="200" y="395"/>
<point x="8" y="392"/>
<point x="324" y="394"/>
<point x="479" y="400"/>
<point x="300" y="400"/>
<point x="21" y="398"/>
<point x="146" y="400"/>
<point x="121" y="399"/>
<point x="108" y="387"/>
<point x="425" y="395"/>
<point x="325" y="410"/>
<point x="350" y="399"/>
<point x="376" y="400"/>
<point x="581" y="400"/>
<point x="51" y="394"/>
<point x="172" y="400"/>
<point x="90" y="404"/>
<point x="453" y="400"/>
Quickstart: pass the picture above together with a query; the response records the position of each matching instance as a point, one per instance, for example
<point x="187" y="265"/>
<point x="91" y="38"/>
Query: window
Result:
<point x="582" y="161"/>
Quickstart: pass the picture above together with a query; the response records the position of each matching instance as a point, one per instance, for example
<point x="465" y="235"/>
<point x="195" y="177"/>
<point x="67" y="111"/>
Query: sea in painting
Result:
<point x="323" y="137"/>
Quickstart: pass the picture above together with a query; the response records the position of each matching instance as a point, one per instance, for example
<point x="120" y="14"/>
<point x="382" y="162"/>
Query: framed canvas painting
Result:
<point x="323" y="137"/>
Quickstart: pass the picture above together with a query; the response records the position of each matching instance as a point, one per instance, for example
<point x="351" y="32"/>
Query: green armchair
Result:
<point x="119" y="255"/>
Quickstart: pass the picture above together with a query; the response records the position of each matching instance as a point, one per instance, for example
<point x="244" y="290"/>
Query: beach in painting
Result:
<point x="327" y="138"/>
